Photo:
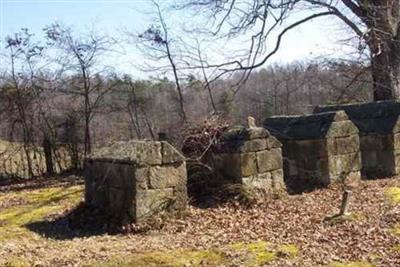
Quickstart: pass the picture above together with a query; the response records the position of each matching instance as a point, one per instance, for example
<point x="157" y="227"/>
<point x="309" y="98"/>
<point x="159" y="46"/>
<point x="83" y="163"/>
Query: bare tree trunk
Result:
<point x="48" y="149"/>
<point x="133" y="111"/>
<point x="385" y="70"/>
<point x="87" y="140"/>
<point x="146" y="119"/>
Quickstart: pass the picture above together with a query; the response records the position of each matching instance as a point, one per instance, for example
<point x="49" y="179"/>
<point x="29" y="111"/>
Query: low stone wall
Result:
<point x="14" y="161"/>
<point x="379" y="132"/>
<point x="251" y="157"/>
<point x="317" y="149"/>
<point x="131" y="181"/>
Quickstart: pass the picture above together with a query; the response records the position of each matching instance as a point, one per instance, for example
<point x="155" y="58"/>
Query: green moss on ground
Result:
<point x="351" y="264"/>
<point x="393" y="193"/>
<point x="16" y="262"/>
<point x="169" y="258"/>
<point x="245" y="254"/>
<point x="396" y="229"/>
<point x="36" y="206"/>
<point x="256" y="254"/>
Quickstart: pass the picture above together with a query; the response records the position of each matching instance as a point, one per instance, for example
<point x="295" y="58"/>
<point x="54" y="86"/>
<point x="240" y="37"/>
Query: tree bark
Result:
<point x="48" y="155"/>
<point x="385" y="70"/>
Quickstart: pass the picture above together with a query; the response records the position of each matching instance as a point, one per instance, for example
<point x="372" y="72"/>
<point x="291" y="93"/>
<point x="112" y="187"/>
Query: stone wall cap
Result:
<point x="139" y="152"/>
<point x="379" y="117"/>
<point x="307" y="127"/>
<point x="245" y="133"/>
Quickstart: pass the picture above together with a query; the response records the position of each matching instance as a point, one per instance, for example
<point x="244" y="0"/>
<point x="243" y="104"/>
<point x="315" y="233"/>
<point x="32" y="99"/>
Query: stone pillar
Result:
<point x="132" y="181"/>
<point x="251" y="157"/>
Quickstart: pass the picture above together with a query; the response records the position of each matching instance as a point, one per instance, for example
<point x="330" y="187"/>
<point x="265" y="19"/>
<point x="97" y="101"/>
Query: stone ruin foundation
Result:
<point x="317" y="149"/>
<point x="131" y="181"/>
<point x="250" y="157"/>
<point x="379" y="132"/>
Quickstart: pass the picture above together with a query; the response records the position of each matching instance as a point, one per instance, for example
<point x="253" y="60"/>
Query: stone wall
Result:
<point x="379" y="135"/>
<point x="251" y="157"/>
<point x="131" y="181"/>
<point x="317" y="149"/>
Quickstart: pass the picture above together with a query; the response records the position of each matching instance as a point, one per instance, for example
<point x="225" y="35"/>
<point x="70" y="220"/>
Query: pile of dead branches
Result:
<point x="201" y="137"/>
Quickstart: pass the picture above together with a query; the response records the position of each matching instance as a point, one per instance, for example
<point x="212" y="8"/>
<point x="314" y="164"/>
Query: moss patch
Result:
<point x="37" y="205"/>
<point x="241" y="254"/>
<point x="254" y="254"/>
<point x="16" y="262"/>
<point x="396" y="248"/>
<point x="396" y="229"/>
<point x="393" y="193"/>
<point x="169" y="258"/>
<point x="351" y="264"/>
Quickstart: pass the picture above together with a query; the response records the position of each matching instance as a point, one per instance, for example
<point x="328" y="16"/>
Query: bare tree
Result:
<point x="21" y="89"/>
<point x="81" y="54"/>
<point x="376" y="23"/>
<point x="157" y="44"/>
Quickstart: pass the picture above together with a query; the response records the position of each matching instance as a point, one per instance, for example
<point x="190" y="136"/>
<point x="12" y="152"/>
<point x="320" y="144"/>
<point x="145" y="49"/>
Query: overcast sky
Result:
<point x="306" y="42"/>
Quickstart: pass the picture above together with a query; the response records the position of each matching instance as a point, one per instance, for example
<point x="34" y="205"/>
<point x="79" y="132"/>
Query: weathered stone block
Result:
<point x="170" y="154"/>
<point x="243" y="133"/>
<point x="269" y="160"/>
<point x="278" y="183"/>
<point x="149" y="202"/>
<point x="345" y="145"/>
<point x="248" y="164"/>
<point x="371" y="142"/>
<point x="273" y="142"/>
<point x="248" y="155"/>
<point x="396" y="141"/>
<point x="316" y="147"/>
<point x="160" y="177"/>
<point x="131" y="187"/>
<point x="378" y="124"/>
<point x="262" y="182"/>
<point x="253" y="145"/>
<point x="138" y="152"/>
<point x="290" y="167"/>
<point x="237" y="165"/>
<point x="342" y="128"/>
<point x="345" y="163"/>
<point x="313" y="148"/>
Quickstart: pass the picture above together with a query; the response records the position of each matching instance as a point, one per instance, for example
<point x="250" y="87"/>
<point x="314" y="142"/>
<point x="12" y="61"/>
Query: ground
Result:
<point x="296" y="230"/>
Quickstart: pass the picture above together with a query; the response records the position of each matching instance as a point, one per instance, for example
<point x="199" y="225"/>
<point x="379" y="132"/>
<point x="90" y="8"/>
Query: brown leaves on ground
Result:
<point x="297" y="220"/>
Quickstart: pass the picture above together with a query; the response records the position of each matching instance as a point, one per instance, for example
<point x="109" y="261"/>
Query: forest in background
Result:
<point x="56" y="91"/>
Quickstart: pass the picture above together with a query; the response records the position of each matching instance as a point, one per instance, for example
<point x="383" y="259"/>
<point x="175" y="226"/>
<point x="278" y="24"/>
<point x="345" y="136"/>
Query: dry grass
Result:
<point x="290" y="231"/>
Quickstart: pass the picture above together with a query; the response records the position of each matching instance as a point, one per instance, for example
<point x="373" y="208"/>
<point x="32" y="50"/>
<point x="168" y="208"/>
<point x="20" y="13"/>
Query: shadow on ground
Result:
<point x="298" y="186"/>
<point x="79" y="222"/>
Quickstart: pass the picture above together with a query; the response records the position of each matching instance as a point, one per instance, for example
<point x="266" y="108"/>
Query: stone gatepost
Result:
<point x="379" y="130"/>
<point x="251" y="157"/>
<point x="318" y="149"/>
<point x="131" y="181"/>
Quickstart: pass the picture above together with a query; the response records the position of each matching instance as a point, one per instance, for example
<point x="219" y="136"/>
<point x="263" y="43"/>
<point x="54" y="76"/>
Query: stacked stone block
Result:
<point x="251" y="157"/>
<point x="318" y="149"/>
<point x="379" y="132"/>
<point x="131" y="181"/>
